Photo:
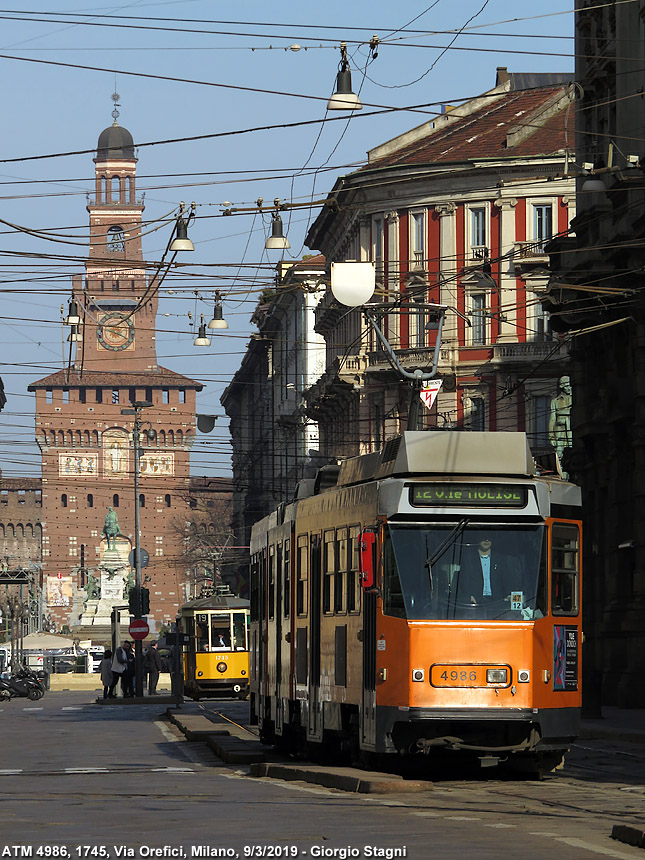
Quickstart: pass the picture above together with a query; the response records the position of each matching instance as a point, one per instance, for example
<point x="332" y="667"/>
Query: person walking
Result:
<point x="119" y="665"/>
<point x="127" y="679"/>
<point x="153" y="667"/>
<point x="107" y="675"/>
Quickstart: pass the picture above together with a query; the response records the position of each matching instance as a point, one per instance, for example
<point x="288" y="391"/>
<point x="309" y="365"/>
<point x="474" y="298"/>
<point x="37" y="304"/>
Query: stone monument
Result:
<point x="110" y="589"/>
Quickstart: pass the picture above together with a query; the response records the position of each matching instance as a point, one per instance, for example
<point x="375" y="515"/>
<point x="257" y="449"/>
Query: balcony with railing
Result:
<point x="530" y="254"/>
<point x="530" y="352"/>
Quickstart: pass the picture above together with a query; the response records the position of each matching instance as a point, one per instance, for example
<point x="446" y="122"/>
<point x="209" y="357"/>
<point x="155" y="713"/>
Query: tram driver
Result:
<point x="488" y="575"/>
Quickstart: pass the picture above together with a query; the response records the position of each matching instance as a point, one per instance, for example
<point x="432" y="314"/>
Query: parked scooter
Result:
<point x="25" y="683"/>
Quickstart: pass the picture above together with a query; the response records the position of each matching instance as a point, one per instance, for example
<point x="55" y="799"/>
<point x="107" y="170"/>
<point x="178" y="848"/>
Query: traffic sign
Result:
<point x="139" y="628"/>
<point x="145" y="558"/>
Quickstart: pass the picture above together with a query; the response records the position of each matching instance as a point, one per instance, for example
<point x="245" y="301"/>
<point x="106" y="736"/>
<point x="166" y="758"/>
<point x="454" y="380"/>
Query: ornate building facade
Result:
<point x="85" y="437"/>
<point x="455" y="212"/>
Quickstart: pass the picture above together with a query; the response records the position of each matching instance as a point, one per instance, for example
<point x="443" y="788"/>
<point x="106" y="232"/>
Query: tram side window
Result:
<point x="353" y="582"/>
<point x="255" y="577"/>
<point x="239" y="631"/>
<point x="393" y="603"/>
<point x="287" y="578"/>
<point x="271" y="582"/>
<point x="565" y="569"/>
<point x="302" y="575"/>
<point x="329" y="570"/>
<point x="341" y="571"/>
<point x="201" y="632"/>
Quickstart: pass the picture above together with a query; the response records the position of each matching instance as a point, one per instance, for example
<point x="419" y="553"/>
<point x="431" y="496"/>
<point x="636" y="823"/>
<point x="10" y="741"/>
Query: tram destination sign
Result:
<point x="468" y="495"/>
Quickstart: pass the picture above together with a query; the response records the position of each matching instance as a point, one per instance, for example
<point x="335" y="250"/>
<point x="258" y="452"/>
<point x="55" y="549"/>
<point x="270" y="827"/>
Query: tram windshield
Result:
<point x="464" y="571"/>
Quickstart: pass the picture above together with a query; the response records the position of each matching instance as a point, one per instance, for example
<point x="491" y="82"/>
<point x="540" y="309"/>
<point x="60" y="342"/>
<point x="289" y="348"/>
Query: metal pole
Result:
<point x="138" y="645"/>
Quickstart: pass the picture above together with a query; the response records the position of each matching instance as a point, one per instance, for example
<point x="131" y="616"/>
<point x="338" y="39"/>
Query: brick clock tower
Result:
<point x="86" y="441"/>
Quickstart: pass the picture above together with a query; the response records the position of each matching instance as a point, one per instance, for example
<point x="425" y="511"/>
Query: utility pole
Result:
<point x="138" y="643"/>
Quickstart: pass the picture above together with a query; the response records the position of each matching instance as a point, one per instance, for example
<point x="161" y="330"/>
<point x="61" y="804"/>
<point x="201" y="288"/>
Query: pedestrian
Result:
<point x="127" y="678"/>
<point x="108" y="677"/>
<point x="153" y="667"/>
<point x="119" y="665"/>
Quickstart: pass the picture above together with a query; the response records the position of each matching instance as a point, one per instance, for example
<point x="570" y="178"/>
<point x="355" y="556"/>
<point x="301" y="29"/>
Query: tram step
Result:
<point x="196" y="727"/>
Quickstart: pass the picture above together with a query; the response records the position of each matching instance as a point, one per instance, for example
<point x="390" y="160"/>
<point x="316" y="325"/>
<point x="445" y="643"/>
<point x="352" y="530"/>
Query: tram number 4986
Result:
<point x="458" y="675"/>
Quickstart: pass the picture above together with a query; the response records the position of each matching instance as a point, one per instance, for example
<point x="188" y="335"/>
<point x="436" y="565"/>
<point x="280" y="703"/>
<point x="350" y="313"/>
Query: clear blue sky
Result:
<point x="51" y="109"/>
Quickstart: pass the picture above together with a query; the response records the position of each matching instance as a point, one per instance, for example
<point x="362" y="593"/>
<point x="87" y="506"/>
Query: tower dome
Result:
<point x="115" y="142"/>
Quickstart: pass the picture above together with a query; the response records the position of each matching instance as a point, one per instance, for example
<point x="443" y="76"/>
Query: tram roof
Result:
<point x="217" y="601"/>
<point x="422" y="452"/>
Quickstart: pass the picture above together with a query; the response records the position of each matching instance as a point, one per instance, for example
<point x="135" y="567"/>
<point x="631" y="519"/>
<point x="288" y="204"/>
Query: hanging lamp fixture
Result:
<point x="202" y="339"/>
<point x="73" y="317"/>
<point x="181" y="242"/>
<point x="344" y="98"/>
<point x="277" y="241"/>
<point x="218" y="321"/>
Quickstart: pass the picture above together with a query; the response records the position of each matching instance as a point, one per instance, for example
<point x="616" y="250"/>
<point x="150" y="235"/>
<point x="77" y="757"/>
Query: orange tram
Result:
<point x="422" y="600"/>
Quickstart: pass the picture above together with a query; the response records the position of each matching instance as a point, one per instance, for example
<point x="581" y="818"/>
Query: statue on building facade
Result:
<point x="111" y="528"/>
<point x="560" y="417"/>
<point x="93" y="588"/>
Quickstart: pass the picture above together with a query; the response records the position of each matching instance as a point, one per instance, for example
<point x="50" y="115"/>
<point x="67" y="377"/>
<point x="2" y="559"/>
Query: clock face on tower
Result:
<point x="115" y="331"/>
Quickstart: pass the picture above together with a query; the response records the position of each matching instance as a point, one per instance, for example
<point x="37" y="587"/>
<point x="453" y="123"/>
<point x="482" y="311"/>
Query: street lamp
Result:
<point x="138" y="406"/>
<point x="218" y="320"/>
<point x="344" y="98"/>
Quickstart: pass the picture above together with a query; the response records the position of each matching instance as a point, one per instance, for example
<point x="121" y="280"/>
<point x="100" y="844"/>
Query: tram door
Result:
<point x="368" y="704"/>
<point x="314" y="719"/>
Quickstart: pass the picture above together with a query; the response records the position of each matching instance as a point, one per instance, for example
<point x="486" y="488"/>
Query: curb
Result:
<point x="340" y="778"/>
<point x="139" y="700"/>
<point x="629" y="835"/>
<point x="195" y="726"/>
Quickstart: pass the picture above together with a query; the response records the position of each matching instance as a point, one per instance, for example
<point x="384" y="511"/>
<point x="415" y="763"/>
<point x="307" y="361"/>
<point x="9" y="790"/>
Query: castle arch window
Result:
<point x="2" y="531"/>
<point x="171" y="438"/>
<point x="95" y="438"/>
<point x="38" y="531"/>
<point x="103" y="189"/>
<point x="115" y="500"/>
<point x="180" y="437"/>
<point x="70" y="439"/>
<point x="90" y="500"/>
<point x="61" y="437"/>
<point x="162" y="438"/>
<point x="131" y="189"/>
<point x="63" y="500"/>
<point x="142" y="500"/>
<point x="11" y="531"/>
<point x="79" y="438"/>
<point x="86" y="438"/>
<point x="116" y="189"/>
<point x="20" y="531"/>
<point x="29" y="530"/>
<point x="167" y="500"/>
<point x="115" y="239"/>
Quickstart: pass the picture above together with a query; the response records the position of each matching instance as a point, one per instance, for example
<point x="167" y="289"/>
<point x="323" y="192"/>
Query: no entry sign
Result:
<point x="138" y="629"/>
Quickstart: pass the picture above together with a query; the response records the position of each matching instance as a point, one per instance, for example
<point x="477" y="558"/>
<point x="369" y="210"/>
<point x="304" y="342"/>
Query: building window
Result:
<point x="182" y="395"/>
<point x="377" y="246"/>
<point x="115" y="500"/>
<point x="132" y="285"/>
<point x="478" y="241"/>
<point x="149" y="395"/>
<point x="99" y="395"/>
<point x="63" y="500"/>
<point x="541" y="413"/>
<point x="65" y="395"/>
<point x="142" y="500"/>
<point x="478" y="414"/>
<point x="165" y="396"/>
<point x="417" y="240"/>
<point x="115" y="395"/>
<point x="167" y="500"/>
<point x="132" y="394"/>
<point x="90" y="500"/>
<point x="73" y="546"/>
<point x="81" y="395"/>
<point x="542" y="226"/>
<point x="115" y="240"/>
<point x="116" y="189"/>
<point x="49" y="395"/>
<point x="478" y="319"/>
<point x="159" y="546"/>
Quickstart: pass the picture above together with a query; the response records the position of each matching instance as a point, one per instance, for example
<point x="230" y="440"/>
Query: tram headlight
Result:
<point x="497" y="676"/>
<point x="221" y="667"/>
<point x="418" y="674"/>
<point x="199" y="673"/>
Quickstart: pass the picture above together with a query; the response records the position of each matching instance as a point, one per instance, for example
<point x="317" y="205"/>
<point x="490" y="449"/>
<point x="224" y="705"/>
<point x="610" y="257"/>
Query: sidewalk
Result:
<point x="619" y="724"/>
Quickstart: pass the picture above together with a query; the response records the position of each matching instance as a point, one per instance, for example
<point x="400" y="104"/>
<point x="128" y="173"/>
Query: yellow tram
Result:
<point x="216" y="660"/>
